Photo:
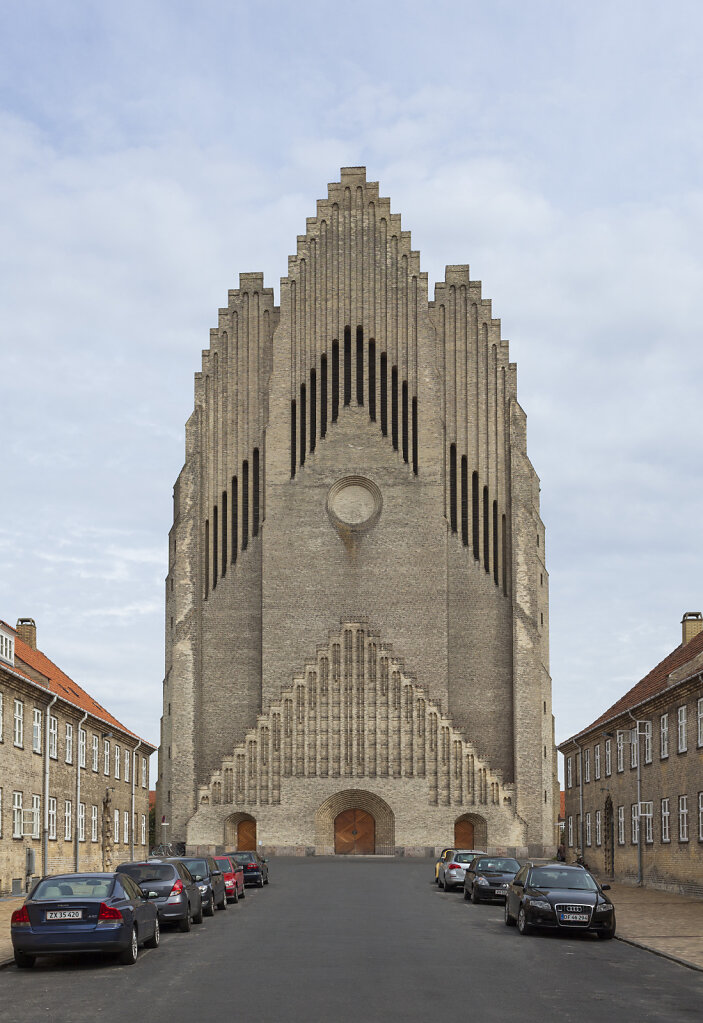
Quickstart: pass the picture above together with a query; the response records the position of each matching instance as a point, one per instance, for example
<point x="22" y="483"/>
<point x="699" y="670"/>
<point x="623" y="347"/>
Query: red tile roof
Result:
<point x="651" y="685"/>
<point x="62" y="685"/>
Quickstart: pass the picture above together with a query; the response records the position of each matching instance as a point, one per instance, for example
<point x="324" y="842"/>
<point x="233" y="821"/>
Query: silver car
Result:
<point x="452" y="870"/>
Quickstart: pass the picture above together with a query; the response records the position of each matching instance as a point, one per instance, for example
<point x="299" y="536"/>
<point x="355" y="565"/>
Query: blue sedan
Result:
<point x="72" y="913"/>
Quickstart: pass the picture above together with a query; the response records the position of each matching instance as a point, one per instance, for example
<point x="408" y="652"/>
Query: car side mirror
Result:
<point x="217" y="873"/>
<point x="519" y="884"/>
<point x="605" y="887"/>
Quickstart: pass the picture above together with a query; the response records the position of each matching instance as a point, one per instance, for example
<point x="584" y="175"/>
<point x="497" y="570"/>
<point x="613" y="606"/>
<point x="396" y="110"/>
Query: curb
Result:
<point x="662" y="955"/>
<point x="4" y="963"/>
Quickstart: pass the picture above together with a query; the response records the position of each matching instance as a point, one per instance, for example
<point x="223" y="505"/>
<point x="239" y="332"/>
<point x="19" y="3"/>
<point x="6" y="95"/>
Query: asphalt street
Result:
<point x="358" y="939"/>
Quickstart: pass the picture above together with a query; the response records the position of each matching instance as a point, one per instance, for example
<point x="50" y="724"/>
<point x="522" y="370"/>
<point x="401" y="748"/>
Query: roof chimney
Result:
<point x="27" y="631"/>
<point x="691" y="625"/>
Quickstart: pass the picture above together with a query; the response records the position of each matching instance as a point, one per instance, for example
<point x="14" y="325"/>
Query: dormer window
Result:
<point x="7" y="646"/>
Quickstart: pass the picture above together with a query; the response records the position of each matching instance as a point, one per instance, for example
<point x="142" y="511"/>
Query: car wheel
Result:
<point x="154" y="940"/>
<point x="24" y="961"/>
<point x="209" y="909"/>
<point x="185" y="923"/>
<point x="606" y="935"/>
<point x="260" y="883"/>
<point x="129" y="956"/>
<point x="522" y="924"/>
<point x="509" y="920"/>
<point x="267" y="879"/>
<point x="474" y="895"/>
<point x="466" y="894"/>
<point x="223" y="904"/>
<point x="243" y="893"/>
<point x="235" y="897"/>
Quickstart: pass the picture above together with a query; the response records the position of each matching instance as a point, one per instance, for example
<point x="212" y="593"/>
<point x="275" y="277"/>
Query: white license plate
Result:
<point x="64" y="914"/>
<point x="579" y="918"/>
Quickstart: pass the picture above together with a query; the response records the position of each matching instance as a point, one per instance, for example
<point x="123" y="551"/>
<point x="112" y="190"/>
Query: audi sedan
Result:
<point x="453" y="868"/>
<point x="488" y="877"/>
<point x="256" y="869"/>
<point x="559" y="897"/>
<point x="72" y="913"/>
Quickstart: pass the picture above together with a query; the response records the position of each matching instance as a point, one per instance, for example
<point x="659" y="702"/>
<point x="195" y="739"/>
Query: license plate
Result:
<point x="579" y="918"/>
<point x="64" y="914"/>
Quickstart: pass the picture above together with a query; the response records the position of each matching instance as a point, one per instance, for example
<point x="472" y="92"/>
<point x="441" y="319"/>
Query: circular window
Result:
<point x="354" y="502"/>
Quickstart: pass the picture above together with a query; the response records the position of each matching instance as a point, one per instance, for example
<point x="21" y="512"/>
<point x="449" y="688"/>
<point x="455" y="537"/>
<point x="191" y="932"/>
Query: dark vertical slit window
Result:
<point x="313" y="409"/>
<point x="214" y="547"/>
<point x="225" y="525"/>
<point x="474" y="515"/>
<point x="359" y="366"/>
<point x="464" y="501"/>
<point x="486" y="532"/>
<point x="504" y="557"/>
<point x="452" y="487"/>
<point x="406" y="449"/>
<point x="335" y="381"/>
<point x="293" y="445"/>
<point x="255" y="494"/>
<point x="372" y="381"/>
<point x="207" y="557"/>
<point x="495" y="542"/>
<point x="415" y="440"/>
<point x="347" y="365"/>
<point x="235" y="519"/>
<point x="394" y="406"/>
<point x="303" y="412"/>
<point x="323" y="396"/>
<point x="245" y="505"/>
<point x="384" y="394"/>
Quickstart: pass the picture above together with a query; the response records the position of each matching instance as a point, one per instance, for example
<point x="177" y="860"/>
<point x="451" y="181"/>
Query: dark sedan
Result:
<point x="256" y="869"/>
<point x="210" y="881"/>
<point x="488" y="877"/>
<point x="170" y="886"/>
<point x="70" y="913"/>
<point x="559" y="897"/>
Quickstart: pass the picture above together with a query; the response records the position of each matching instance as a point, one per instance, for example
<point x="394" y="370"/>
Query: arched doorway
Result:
<point x="359" y="800"/>
<point x="240" y="832"/>
<point x="354" y="833"/>
<point x="464" y="833"/>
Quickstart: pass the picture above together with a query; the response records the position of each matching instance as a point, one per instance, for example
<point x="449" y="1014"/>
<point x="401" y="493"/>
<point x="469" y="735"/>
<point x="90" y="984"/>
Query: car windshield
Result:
<point x="198" y="868"/>
<point x="81" y="887"/>
<point x="224" y="864"/>
<point x="501" y="865"/>
<point x="243" y="857"/>
<point x="556" y="877"/>
<point x="141" y="872"/>
<point x="463" y="857"/>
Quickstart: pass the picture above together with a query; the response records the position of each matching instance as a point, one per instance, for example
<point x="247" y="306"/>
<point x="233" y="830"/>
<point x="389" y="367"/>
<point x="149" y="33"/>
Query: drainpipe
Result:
<point x="580" y="763"/>
<point x="76" y="840"/>
<point x="47" y="761"/>
<point x="639" y="802"/>
<point x="135" y="765"/>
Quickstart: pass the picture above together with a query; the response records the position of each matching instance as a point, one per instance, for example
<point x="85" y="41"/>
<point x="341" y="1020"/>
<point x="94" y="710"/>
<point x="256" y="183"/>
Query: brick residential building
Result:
<point x="74" y="782"/>
<point x="654" y="733"/>
<point x="357" y="612"/>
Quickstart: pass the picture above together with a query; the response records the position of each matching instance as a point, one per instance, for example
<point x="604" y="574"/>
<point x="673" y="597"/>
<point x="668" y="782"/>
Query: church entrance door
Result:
<point x="354" y="833"/>
<point x="464" y="834"/>
<point x="246" y="835"/>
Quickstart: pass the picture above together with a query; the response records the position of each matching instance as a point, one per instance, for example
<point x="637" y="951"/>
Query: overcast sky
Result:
<point x="150" y="152"/>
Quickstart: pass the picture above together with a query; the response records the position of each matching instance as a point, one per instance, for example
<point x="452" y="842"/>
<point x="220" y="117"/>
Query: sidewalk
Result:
<point x="7" y="908"/>
<point x="660" y="921"/>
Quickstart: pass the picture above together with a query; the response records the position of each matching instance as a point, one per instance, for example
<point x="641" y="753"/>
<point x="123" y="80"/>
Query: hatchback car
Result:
<point x="233" y="874"/>
<point x="559" y="897"/>
<point x="256" y="868"/>
<point x="170" y="886"/>
<point x="452" y="870"/>
<point x="488" y="877"/>
<point x="210" y="881"/>
<point x="72" y="913"/>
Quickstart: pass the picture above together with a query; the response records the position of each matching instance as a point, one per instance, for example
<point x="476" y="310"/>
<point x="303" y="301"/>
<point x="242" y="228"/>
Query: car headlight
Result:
<point x="203" y="888"/>
<point x="605" y="908"/>
<point x="541" y="904"/>
<point x="482" y="880"/>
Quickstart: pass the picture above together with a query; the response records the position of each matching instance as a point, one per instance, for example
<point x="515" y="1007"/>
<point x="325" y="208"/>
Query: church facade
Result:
<point x="357" y="599"/>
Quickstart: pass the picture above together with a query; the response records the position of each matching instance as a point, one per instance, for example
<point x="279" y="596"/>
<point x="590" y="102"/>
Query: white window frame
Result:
<point x="599" y="827"/>
<point x="570" y="830"/>
<point x="116" y="827"/>
<point x="683" y="818"/>
<point x="82" y="742"/>
<point x="125" y="827"/>
<point x="36" y="816"/>
<point x="18" y="724"/>
<point x="145" y="776"/>
<point x="81" y="822"/>
<point x="620" y="747"/>
<point x="665" y="820"/>
<point x="634" y="747"/>
<point x="96" y="753"/>
<point x="664" y="737"/>
<point x="700" y="816"/>
<point x="587" y="766"/>
<point x="118" y="754"/>
<point x="635" y="821"/>
<point x="53" y="737"/>
<point x="106" y="758"/>
<point x="36" y="729"/>
<point x="608" y="757"/>
<point x="647" y="742"/>
<point x="67" y="820"/>
<point x="127" y="758"/>
<point x="144" y="827"/>
<point x="69" y="743"/>
<point x="52" y="818"/>
<point x="699" y="722"/>
<point x="682" y="737"/>
<point x="621" y="825"/>
<point x="2" y="717"/>
<point x="569" y="773"/>
<point x="588" y="828"/>
<point x="93" y="823"/>
<point x="596" y="761"/>
<point x="648" y="817"/>
<point x="17" y="809"/>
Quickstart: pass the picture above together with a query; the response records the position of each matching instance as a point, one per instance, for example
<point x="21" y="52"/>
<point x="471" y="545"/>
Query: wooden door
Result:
<point x="354" y="833"/>
<point x="464" y="834"/>
<point x="246" y="836"/>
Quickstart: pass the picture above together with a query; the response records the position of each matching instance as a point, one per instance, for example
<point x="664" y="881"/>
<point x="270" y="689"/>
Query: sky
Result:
<point x="150" y="152"/>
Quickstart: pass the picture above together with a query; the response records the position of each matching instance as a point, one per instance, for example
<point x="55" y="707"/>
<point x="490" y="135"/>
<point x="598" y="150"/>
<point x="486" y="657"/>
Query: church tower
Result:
<point x="357" y="601"/>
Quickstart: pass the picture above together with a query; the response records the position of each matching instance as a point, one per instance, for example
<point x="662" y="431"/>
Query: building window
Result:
<point x="647" y="814"/>
<point x="621" y="751"/>
<point x="106" y="758"/>
<point x="95" y="752"/>
<point x="570" y="829"/>
<point x="596" y="761"/>
<point x="52" y="817"/>
<point x="127" y="757"/>
<point x="634" y="747"/>
<point x="81" y="822"/>
<point x="683" y="745"/>
<point x="608" y="757"/>
<point x="125" y="829"/>
<point x="82" y="739"/>
<point x="118" y="754"/>
<point x="143" y="829"/>
<point x="69" y="743"/>
<point x="36" y="730"/>
<point x="664" y="736"/>
<point x="2" y="715"/>
<point x="116" y="827"/>
<point x="700" y="816"/>
<point x="36" y="816"/>
<point x="588" y="828"/>
<point x="53" y="737"/>
<point x="683" y="818"/>
<point x="699" y="722"/>
<point x="647" y="742"/>
<point x="569" y="779"/>
<point x="635" y="818"/>
<point x="587" y="765"/>
<point x="599" y="827"/>
<point x="144" y="773"/>
<point x="621" y="825"/>
<point x="666" y="815"/>
<point x="17" y="815"/>
<point x="67" y="820"/>
<point x="19" y="723"/>
<point x="93" y="823"/>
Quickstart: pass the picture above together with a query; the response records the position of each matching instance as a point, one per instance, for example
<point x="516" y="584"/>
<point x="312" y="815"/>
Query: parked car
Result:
<point x="488" y="877"/>
<point x="209" y="879"/>
<point x="561" y="897"/>
<point x="438" y="863"/>
<point x="71" y="913"/>
<point x="453" y="868"/>
<point x="256" y="868"/>
<point x="233" y="874"/>
<point x="170" y="886"/>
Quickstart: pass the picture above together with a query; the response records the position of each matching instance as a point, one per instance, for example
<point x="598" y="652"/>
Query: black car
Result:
<point x="256" y="869"/>
<point x="488" y="877"/>
<point x="559" y="897"/>
<point x="170" y="886"/>
<point x="210" y="881"/>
